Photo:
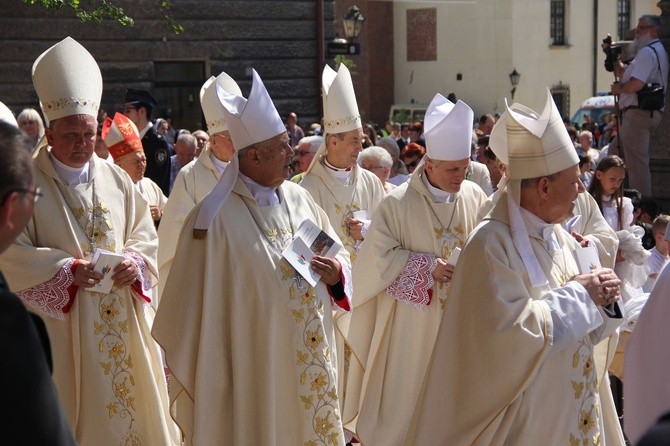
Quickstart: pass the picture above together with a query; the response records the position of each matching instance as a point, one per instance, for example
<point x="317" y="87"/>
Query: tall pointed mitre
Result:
<point x="340" y="109"/>
<point x="498" y="137"/>
<point x="121" y="136"/>
<point x="448" y="129"/>
<point x="67" y="81"/>
<point x="7" y="115"/>
<point x="250" y="121"/>
<point x="209" y="101"/>
<point x="538" y="147"/>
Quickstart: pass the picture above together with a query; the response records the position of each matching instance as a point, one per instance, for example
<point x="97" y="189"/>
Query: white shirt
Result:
<point x="645" y="68"/>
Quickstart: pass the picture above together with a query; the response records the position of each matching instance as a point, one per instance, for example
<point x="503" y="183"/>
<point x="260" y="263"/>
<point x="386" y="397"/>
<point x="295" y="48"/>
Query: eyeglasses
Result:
<point x="641" y="27"/>
<point x="303" y="153"/>
<point x="37" y="194"/>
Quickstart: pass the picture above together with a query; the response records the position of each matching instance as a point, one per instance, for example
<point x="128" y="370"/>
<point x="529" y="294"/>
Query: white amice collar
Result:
<point x="264" y="196"/>
<point x="70" y="175"/>
<point x="219" y="165"/>
<point x="342" y="175"/>
<point x="439" y="196"/>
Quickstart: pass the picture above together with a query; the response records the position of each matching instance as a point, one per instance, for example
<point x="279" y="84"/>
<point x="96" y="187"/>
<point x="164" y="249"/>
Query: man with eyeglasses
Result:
<point x="107" y="370"/>
<point x="650" y="65"/>
<point x="304" y="153"/>
<point x="35" y="416"/>
<point x="138" y="107"/>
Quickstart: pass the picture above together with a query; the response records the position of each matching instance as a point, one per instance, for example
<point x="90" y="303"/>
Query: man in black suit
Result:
<point x="30" y="413"/>
<point x="138" y="107"/>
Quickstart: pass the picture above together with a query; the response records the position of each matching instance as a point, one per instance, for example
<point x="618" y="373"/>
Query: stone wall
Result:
<point x="277" y="38"/>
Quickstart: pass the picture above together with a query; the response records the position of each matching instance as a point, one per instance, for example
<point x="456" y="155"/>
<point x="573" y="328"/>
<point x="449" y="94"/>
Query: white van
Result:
<point x="402" y="113"/>
<point x="597" y="107"/>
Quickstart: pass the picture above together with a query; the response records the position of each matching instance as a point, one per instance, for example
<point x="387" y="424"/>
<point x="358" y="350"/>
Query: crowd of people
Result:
<point x="441" y="282"/>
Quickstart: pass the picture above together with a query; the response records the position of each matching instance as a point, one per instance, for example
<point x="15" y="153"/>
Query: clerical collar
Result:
<point x="218" y="164"/>
<point x="342" y="175"/>
<point x="264" y="196"/>
<point x="70" y="175"/>
<point x="536" y="226"/>
<point x="439" y="196"/>
<point x="145" y="129"/>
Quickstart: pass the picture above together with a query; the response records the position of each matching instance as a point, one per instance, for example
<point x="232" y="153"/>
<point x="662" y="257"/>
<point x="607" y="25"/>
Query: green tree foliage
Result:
<point x="97" y="10"/>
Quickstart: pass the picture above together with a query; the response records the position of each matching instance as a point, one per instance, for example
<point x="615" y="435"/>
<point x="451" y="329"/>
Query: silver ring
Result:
<point x="90" y="281"/>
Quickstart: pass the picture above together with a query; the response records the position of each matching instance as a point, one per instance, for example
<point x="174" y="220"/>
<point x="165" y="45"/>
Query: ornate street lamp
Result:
<point x="353" y="21"/>
<point x="514" y="77"/>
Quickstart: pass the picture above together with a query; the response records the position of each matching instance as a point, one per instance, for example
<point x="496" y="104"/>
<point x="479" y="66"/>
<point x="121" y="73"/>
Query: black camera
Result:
<point x="612" y="52"/>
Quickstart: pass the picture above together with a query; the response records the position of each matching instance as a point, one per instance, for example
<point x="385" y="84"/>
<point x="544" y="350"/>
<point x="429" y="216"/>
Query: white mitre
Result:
<point x="536" y="146"/>
<point x="67" y="80"/>
<point x="448" y="129"/>
<point x="250" y="121"/>
<point x="209" y="101"/>
<point x="340" y="110"/>
<point x="7" y="115"/>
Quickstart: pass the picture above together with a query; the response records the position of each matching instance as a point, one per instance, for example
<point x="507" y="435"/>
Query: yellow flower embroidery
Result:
<point x="578" y="388"/>
<point x="586" y="422"/>
<point x="319" y="382"/>
<point x="310" y="443"/>
<point x="323" y="425"/>
<point x="106" y="367"/>
<point x="303" y="358"/>
<point x="587" y="368"/>
<point x="307" y="400"/>
<point x="116" y="351"/>
<point x="314" y="339"/>
<point x="112" y="410"/>
<point x="121" y="391"/>
<point x="109" y="312"/>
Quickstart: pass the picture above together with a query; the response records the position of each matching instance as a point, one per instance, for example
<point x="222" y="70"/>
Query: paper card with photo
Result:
<point x="587" y="258"/>
<point x="298" y="254"/>
<point x="320" y="243"/>
<point x="104" y="262"/>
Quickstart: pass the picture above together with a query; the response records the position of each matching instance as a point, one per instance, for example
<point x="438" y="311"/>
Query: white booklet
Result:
<point x="104" y="262"/>
<point x="587" y="258"/>
<point x="453" y="258"/>
<point x="309" y="241"/>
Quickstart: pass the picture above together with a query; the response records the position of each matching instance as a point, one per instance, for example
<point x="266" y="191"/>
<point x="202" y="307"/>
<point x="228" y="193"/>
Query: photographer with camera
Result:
<point x="641" y="92"/>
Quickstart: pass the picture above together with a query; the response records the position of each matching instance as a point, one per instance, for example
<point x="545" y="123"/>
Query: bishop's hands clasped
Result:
<point x="602" y="284"/>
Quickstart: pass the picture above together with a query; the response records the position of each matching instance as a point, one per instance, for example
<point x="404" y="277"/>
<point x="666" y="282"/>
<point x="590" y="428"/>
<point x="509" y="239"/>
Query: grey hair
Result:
<point x="314" y="142"/>
<point x="390" y="145"/>
<point x="376" y="153"/>
<point x="652" y="20"/>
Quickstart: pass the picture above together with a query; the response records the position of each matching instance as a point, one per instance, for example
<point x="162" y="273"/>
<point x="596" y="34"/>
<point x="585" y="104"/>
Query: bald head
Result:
<point x="185" y="148"/>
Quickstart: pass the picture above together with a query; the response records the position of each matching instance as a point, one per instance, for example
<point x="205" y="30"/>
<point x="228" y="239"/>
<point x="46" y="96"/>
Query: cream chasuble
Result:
<point x="107" y="368"/>
<point x="193" y="182"/>
<point x="364" y="192"/>
<point x="152" y="193"/>
<point x="496" y="375"/>
<point x="251" y="348"/>
<point x="392" y="340"/>
<point x="340" y="201"/>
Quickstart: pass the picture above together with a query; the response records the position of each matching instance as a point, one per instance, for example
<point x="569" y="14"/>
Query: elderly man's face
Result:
<point x="304" y="155"/>
<point x="275" y="161"/>
<point x="72" y="139"/>
<point x="185" y="151"/>
<point x="135" y="164"/>
<point x="586" y="141"/>
<point x="374" y="166"/>
<point x="562" y="193"/>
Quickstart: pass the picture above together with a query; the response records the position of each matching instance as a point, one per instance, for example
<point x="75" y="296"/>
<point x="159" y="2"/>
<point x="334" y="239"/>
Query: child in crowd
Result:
<point x="659" y="254"/>
<point x="607" y="189"/>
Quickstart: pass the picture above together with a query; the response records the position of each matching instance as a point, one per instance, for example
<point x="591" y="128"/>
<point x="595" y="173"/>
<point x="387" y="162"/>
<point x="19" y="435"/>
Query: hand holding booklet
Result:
<point x="310" y="240"/>
<point x="104" y="262"/>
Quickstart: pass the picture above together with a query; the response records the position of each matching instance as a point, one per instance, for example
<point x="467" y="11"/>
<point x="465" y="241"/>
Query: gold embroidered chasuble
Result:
<point x="193" y="182"/>
<point x="339" y="202"/>
<point x="107" y="368"/>
<point x="494" y="377"/>
<point x="391" y="340"/>
<point x="251" y="348"/>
